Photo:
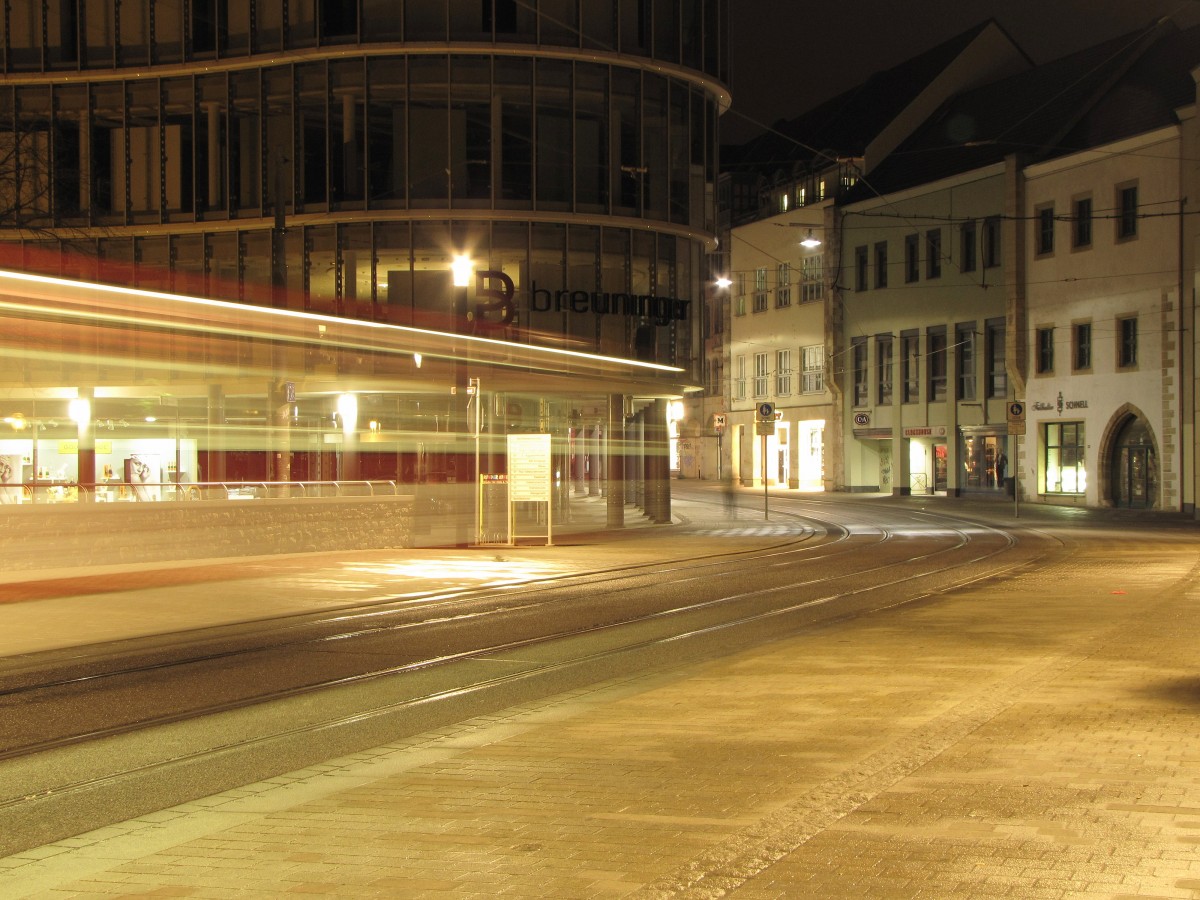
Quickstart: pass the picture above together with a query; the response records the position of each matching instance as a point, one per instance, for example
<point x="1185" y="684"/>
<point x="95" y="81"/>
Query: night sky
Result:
<point x="789" y="55"/>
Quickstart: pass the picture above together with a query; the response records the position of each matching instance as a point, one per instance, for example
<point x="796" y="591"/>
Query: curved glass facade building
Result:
<point x="339" y="157"/>
<point x="570" y="145"/>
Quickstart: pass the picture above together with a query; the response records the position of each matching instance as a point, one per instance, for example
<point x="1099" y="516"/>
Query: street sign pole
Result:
<point x="765" y="425"/>
<point x="766" y="495"/>
<point x="1016" y="427"/>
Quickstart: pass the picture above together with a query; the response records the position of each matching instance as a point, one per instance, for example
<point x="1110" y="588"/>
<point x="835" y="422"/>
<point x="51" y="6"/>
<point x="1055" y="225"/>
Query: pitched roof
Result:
<point x="844" y="125"/>
<point x="1111" y="90"/>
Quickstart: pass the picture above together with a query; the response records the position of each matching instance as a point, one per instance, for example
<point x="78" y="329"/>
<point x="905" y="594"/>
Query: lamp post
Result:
<point x="462" y="270"/>
<point x="348" y="412"/>
<point x="80" y="412"/>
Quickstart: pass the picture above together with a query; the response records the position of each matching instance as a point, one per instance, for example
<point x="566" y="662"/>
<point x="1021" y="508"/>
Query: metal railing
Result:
<point x="169" y="491"/>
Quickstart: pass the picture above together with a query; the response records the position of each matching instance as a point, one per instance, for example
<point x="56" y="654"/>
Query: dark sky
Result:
<point x="789" y="55"/>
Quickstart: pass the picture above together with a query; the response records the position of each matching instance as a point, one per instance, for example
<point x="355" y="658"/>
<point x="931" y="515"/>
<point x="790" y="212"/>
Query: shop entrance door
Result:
<point x="939" y="467"/>
<point x="1135" y="468"/>
<point x="782" y="469"/>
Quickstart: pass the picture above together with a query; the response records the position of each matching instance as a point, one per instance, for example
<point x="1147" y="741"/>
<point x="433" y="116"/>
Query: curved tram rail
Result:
<point x="365" y="675"/>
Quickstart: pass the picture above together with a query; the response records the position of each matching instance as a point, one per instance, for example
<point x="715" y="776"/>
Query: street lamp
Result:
<point x="462" y="269"/>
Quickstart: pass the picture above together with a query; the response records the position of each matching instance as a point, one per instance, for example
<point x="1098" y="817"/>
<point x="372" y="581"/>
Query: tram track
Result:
<point x="469" y="610"/>
<point x="604" y="623"/>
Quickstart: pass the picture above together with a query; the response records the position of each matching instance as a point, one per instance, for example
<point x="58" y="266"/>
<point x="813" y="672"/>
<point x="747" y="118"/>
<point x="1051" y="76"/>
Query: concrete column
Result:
<point x="615" y="459"/>
<point x="639" y="460"/>
<point x="664" y="465"/>
<point x="279" y="455"/>
<point x="86" y="447"/>
<point x="579" y="467"/>
<point x="594" y="437"/>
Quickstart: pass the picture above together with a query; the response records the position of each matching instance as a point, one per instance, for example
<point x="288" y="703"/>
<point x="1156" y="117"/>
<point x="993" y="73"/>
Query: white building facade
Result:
<point x="1105" y="326"/>
<point x="778" y="352"/>
<point x="920" y="339"/>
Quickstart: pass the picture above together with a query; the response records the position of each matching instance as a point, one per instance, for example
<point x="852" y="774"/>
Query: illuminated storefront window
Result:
<point x="1066" y="471"/>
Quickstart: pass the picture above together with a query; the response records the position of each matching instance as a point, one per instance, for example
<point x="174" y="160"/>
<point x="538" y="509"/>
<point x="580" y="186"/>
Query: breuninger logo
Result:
<point x="662" y="310"/>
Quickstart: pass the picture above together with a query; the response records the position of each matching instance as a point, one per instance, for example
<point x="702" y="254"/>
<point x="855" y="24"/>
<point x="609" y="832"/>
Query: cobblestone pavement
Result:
<point x="1035" y="737"/>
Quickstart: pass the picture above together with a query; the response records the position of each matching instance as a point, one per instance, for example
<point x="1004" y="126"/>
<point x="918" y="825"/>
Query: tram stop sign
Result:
<point x="1016" y="417"/>
<point x="766" y="419"/>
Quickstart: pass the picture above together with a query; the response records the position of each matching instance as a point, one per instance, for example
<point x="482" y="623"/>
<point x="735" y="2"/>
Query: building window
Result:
<point x="813" y="358"/>
<point x="1127" y="212"/>
<point x="859" y="356"/>
<point x="739" y="382"/>
<point x="1065" y="458"/>
<point x="1081" y="338"/>
<point x="1081" y="228"/>
<point x="910" y="366"/>
<point x="860" y="268"/>
<point x="1045" y="351"/>
<point x="783" y="373"/>
<point x="760" y="289"/>
<point x="812" y="285"/>
<point x="761" y="373"/>
<point x="912" y="258"/>
<point x="933" y="253"/>
<point x="739" y="300"/>
<point x="936" y="343"/>
<point x="1045" y="230"/>
<point x="967" y="246"/>
<point x="964" y="339"/>
<point x="991" y="242"/>
<point x="783" y="284"/>
<point x="883" y="369"/>
<point x="997" y="371"/>
<point x="1127" y="350"/>
<point x="881" y="265"/>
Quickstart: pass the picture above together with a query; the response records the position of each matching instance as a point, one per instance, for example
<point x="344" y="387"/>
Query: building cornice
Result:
<point x="709" y="85"/>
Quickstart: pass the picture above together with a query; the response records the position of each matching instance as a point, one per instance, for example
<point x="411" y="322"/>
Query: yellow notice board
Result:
<point x="529" y="467"/>
<point x="530" y="470"/>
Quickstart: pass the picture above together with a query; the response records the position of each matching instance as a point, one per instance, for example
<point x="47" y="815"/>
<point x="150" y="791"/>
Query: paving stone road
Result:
<point x="1036" y="737"/>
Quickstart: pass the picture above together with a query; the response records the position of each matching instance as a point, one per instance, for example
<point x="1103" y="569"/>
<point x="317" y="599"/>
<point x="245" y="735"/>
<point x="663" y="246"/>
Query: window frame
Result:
<point x="1065" y="447"/>
<point x="860" y="268"/>
<point x="885" y="350"/>
<point x="965" y="365"/>
<point x="1043" y="236"/>
<point x="1081" y="222"/>
<point x="812" y="359"/>
<point x="1081" y="346"/>
<point x="996" y="359"/>
<point x="992" y="238"/>
<point x="812" y="278"/>
<point x="783" y="373"/>
<point x="935" y="355"/>
<point x="762" y="374"/>
<point x="1127" y="342"/>
<point x="1043" y="348"/>
<point x="783" y="285"/>
<point x="910" y="366"/>
<point x="760" y="290"/>
<point x="859" y="371"/>
<point x="881" y="264"/>
<point x="933" y="253"/>
<point x="1126" y="218"/>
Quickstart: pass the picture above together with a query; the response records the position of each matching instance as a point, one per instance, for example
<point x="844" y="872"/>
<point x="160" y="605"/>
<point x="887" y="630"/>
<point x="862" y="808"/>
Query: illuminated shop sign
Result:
<point x="662" y="310"/>
<point x="1059" y="405"/>
<point x="496" y="308"/>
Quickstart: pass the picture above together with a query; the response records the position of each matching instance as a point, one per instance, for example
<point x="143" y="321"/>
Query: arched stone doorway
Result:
<point x="1133" y="465"/>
